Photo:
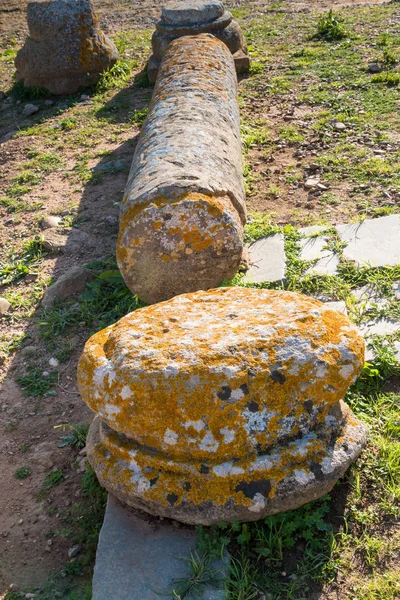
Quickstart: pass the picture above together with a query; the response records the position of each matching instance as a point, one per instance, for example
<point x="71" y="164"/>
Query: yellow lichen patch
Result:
<point x="222" y="375"/>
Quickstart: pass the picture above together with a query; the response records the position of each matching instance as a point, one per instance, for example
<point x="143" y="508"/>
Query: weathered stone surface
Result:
<point x="141" y="558"/>
<point x="192" y="18"/>
<point x="65" y="48"/>
<point x="374" y="242"/>
<point x="192" y="12"/>
<point x="266" y="259"/>
<point x="223" y="404"/>
<point x="54" y="241"/>
<point x="50" y="221"/>
<point x="69" y="285"/>
<point x="4" y="306"/>
<point x="183" y="211"/>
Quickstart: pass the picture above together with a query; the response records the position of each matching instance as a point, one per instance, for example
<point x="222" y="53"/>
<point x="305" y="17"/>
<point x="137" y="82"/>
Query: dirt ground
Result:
<point x="143" y="13"/>
<point x="26" y="556"/>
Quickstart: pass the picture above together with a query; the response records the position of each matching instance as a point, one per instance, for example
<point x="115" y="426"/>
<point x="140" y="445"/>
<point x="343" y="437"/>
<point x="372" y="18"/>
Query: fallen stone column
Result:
<point x="221" y="405"/>
<point x="183" y="212"/>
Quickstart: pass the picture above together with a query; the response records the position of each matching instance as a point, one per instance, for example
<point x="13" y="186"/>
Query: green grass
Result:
<point x="103" y="302"/>
<point x="23" y="472"/>
<point x="35" y="384"/>
<point x="18" y="266"/>
<point x="51" y="480"/>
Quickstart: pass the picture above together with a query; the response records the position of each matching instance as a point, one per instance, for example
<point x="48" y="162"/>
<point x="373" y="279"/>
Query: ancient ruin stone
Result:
<point x="223" y="404"/>
<point x="65" y="48"/>
<point x="183" y="212"/>
<point x="191" y="18"/>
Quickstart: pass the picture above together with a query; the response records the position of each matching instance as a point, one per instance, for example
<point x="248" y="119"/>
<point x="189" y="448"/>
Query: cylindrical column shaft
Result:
<point x="184" y="209"/>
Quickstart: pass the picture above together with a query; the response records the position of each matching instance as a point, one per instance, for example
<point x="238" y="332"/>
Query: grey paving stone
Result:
<point x="379" y="327"/>
<point x="312" y="230"/>
<point x="374" y="242"/>
<point x="138" y="557"/>
<point x="339" y="306"/>
<point x="267" y="260"/>
<point x="312" y="249"/>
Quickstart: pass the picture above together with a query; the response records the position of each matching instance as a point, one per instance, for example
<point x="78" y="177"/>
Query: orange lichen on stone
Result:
<point x="221" y="389"/>
<point x="186" y="177"/>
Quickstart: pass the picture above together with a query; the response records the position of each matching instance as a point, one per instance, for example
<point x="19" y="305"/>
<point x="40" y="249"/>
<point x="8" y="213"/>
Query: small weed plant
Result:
<point x="330" y="27"/>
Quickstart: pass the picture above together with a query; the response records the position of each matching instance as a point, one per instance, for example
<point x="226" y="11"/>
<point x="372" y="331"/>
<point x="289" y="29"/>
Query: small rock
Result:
<point x="53" y="362"/>
<point x="30" y="109"/>
<point x="374" y="67"/>
<point x="338" y="126"/>
<point x="9" y="221"/>
<point x="4" y="306"/>
<point x="85" y="97"/>
<point x="50" y="221"/>
<point x="71" y="284"/>
<point x="311" y="182"/>
<point x="49" y="102"/>
<point x="322" y="187"/>
<point x="72" y="552"/>
<point x="30" y="596"/>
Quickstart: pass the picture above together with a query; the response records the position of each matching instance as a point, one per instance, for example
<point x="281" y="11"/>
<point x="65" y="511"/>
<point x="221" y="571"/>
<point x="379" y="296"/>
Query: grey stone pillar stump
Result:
<point x="183" y="212"/>
<point x="191" y="18"/>
<point x="65" y="48"/>
<point x="141" y="558"/>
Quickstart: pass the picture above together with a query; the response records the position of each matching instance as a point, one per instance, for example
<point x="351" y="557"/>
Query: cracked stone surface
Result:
<point x="267" y="260"/>
<point x="374" y="242"/>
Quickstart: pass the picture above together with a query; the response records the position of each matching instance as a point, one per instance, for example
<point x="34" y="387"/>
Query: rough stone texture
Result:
<point x="374" y="242"/>
<point x="50" y="221"/>
<point x="340" y="306"/>
<point x="183" y="211"/>
<point x="192" y="18"/>
<point x="4" y="306"/>
<point x="223" y="404"/>
<point x="315" y="248"/>
<point x="69" y="285"/>
<point x="267" y="260"/>
<point x="140" y="557"/>
<point x="192" y="12"/>
<point x="55" y="241"/>
<point x="65" y="48"/>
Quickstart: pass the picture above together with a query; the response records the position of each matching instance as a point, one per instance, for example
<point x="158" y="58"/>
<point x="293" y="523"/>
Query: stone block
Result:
<point x="374" y="242"/>
<point x="65" y="48"/>
<point x="140" y="557"/>
<point x="267" y="260"/>
<point x="223" y="405"/>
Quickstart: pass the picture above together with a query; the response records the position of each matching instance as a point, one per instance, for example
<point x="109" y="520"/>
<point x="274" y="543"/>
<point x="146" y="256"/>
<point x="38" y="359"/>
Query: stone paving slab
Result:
<point x="315" y="248"/>
<point x="267" y="260"/>
<point x="374" y="242"/>
<point x="138" y="558"/>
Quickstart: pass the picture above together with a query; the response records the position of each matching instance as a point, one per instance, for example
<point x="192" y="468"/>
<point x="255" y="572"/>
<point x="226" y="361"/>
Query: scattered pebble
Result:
<point x="374" y="67"/>
<point x="338" y="125"/>
<point x="311" y="182"/>
<point x="50" y="221"/>
<point x="4" y="306"/>
<point x="53" y="362"/>
<point x="30" y="109"/>
<point x="72" y="552"/>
